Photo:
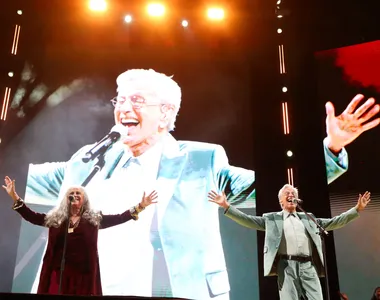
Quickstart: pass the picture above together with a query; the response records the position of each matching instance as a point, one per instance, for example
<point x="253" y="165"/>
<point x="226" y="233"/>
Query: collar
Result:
<point x="286" y="214"/>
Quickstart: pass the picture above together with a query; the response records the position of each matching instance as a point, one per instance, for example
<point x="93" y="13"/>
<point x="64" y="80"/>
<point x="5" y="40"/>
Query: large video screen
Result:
<point x="189" y="124"/>
<point x="345" y="74"/>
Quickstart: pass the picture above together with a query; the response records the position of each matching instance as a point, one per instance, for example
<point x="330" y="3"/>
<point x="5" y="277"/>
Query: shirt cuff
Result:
<point x="341" y="159"/>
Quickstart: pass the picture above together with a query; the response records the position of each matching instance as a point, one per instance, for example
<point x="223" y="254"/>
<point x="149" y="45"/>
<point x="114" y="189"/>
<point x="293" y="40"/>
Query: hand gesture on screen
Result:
<point x="10" y="188"/>
<point x="148" y="200"/>
<point x="220" y="199"/>
<point x="363" y="201"/>
<point x="345" y="128"/>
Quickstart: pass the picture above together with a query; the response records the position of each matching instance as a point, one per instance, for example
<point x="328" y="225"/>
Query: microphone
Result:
<point x="297" y="201"/>
<point x="71" y="198"/>
<point x="102" y="146"/>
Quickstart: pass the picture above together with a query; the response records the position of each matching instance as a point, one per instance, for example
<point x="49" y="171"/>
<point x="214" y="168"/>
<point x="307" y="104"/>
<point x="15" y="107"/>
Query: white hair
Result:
<point x="163" y="86"/>
<point x="285" y="187"/>
<point x="59" y="214"/>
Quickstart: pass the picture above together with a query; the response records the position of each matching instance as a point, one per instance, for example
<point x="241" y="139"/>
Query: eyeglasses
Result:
<point x="136" y="101"/>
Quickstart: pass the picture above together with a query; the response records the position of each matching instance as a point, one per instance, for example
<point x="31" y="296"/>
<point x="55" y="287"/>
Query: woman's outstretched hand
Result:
<point x="10" y="188"/>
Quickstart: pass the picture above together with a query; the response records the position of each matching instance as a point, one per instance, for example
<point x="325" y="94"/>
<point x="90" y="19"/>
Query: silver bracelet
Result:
<point x="17" y="204"/>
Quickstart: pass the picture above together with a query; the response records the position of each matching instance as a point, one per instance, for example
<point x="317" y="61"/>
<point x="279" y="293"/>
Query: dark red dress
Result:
<point x="81" y="273"/>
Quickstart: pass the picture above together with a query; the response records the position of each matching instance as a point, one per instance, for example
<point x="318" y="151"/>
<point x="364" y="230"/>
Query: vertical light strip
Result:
<point x="16" y="37"/>
<point x="4" y="109"/>
<point x="290" y="176"/>
<point x="281" y="59"/>
<point x="285" y="118"/>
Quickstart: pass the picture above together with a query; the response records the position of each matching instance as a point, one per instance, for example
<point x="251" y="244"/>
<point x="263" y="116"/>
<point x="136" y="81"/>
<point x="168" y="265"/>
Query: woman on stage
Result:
<point x="81" y="275"/>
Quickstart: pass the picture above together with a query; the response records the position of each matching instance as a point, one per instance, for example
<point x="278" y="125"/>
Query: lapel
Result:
<point x="279" y="219"/>
<point x="306" y="223"/>
<point x="115" y="158"/>
<point x="172" y="163"/>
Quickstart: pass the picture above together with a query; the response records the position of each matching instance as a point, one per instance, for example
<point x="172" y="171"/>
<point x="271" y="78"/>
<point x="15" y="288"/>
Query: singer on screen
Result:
<point x="81" y="274"/>
<point x="293" y="247"/>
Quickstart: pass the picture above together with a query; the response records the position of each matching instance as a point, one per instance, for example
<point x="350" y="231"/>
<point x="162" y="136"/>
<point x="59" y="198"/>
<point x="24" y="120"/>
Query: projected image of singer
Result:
<point x="176" y="248"/>
<point x="293" y="247"/>
<point x="80" y="267"/>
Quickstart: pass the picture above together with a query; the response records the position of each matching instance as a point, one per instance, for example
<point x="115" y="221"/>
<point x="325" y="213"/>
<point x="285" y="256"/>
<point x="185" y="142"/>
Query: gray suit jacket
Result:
<point x="272" y="224"/>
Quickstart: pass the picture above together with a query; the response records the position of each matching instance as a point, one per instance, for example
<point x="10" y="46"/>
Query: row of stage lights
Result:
<point x="156" y="10"/>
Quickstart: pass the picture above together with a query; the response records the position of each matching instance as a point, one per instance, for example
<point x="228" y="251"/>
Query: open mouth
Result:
<point x="130" y="123"/>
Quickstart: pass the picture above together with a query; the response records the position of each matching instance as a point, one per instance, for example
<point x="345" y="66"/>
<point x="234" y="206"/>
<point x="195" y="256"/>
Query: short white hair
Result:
<point x="163" y="86"/>
<point x="285" y="187"/>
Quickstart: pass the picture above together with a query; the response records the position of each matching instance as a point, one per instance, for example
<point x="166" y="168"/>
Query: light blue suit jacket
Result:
<point x="188" y="224"/>
<point x="272" y="224"/>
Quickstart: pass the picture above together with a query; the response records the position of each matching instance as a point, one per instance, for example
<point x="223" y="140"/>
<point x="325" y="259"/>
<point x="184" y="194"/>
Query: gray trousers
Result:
<point x="298" y="279"/>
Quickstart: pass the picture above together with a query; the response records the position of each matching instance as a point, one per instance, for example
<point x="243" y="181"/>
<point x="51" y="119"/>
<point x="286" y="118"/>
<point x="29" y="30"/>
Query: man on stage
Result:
<point x="293" y="247"/>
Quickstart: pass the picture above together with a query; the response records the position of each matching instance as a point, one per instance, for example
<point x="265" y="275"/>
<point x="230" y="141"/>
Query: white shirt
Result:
<point x="125" y="251"/>
<point x="295" y="239"/>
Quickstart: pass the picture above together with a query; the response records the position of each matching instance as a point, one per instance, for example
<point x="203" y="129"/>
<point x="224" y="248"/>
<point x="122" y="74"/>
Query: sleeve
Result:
<point x="44" y="182"/>
<point x="335" y="165"/>
<point x="29" y="215"/>
<point x="245" y="220"/>
<point x="113" y="220"/>
<point x="340" y="220"/>
<point x="238" y="183"/>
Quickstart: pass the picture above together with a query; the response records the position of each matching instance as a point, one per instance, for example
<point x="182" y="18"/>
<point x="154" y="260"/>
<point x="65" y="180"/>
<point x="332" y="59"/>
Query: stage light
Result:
<point x="284" y="89"/>
<point x="279" y="30"/>
<point x="289" y="153"/>
<point x="10" y="74"/>
<point x="97" y="5"/>
<point x="128" y="19"/>
<point x="215" y="13"/>
<point x="185" y="23"/>
<point x="279" y="16"/>
<point x="19" y="12"/>
<point x="156" y="10"/>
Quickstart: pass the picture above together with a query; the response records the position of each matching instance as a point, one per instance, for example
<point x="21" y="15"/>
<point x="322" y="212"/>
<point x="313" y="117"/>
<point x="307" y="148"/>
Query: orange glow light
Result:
<point x="215" y="13"/>
<point x="97" y="5"/>
<point x="156" y="10"/>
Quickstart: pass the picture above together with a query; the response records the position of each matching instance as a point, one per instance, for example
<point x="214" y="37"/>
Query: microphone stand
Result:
<point x="322" y="233"/>
<point x="96" y="168"/>
<point x="64" y="249"/>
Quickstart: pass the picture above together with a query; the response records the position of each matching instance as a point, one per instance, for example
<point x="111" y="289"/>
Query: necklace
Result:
<point x="72" y="225"/>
